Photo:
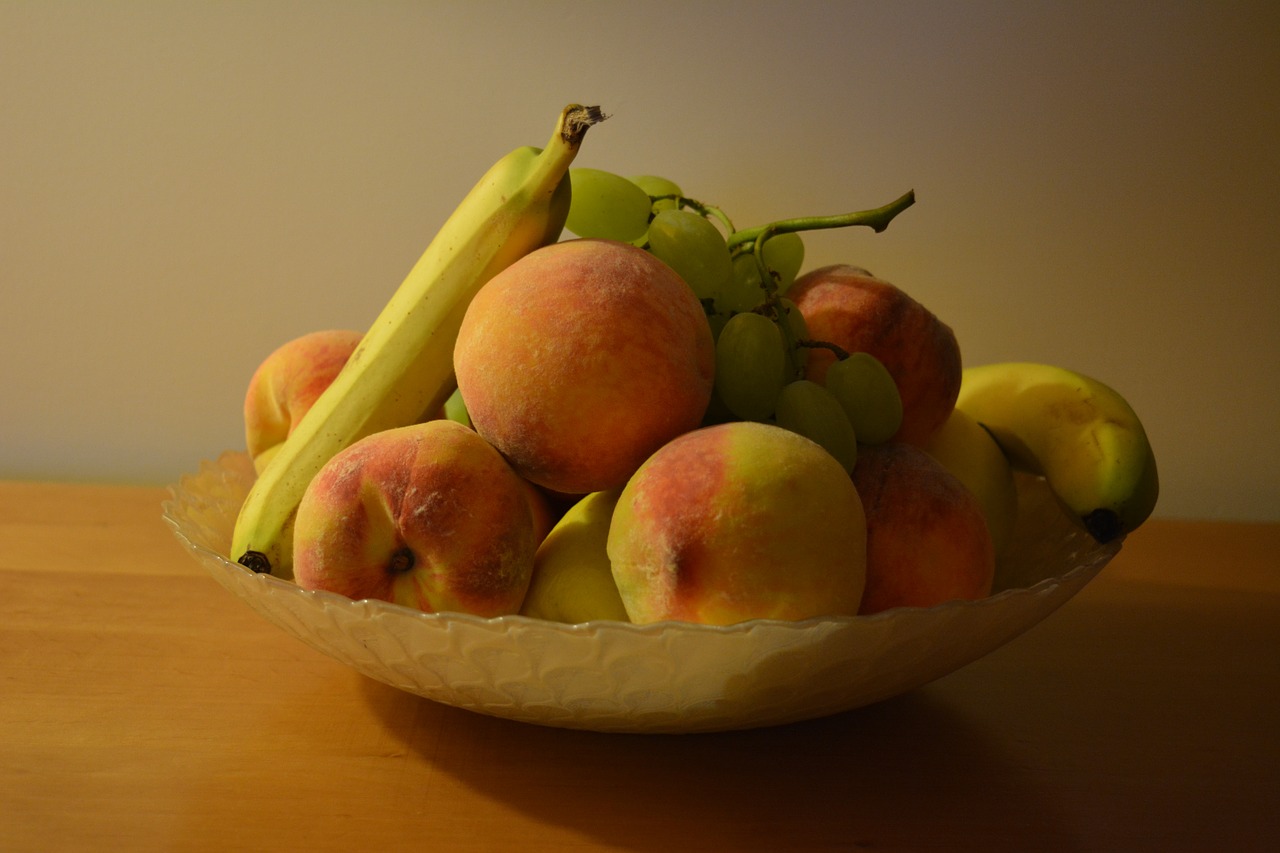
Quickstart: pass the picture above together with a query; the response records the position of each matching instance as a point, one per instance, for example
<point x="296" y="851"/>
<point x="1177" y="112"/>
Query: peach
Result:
<point x="849" y="307"/>
<point x="927" y="539"/>
<point x="967" y="450"/>
<point x="581" y="359"/>
<point x="429" y="516"/>
<point x="287" y="383"/>
<point x="572" y="579"/>
<point x="738" y="521"/>
<point x="545" y="513"/>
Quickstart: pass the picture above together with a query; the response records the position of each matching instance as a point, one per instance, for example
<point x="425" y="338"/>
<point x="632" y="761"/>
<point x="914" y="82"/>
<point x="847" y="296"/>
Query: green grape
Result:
<point x="606" y="206"/>
<point x="869" y="396"/>
<point x="805" y="407"/>
<point x="653" y="186"/>
<point x="795" y="330"/>
<point x="750" y="366"/>
<point x="456" y="410"/>
<point x="743" y="292"/>
<point x="784" y="254"/>
<point x="694" y="248"/>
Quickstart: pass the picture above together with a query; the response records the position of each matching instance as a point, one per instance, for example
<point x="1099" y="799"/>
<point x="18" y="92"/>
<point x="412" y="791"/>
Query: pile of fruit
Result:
<point x="659" y="417"/>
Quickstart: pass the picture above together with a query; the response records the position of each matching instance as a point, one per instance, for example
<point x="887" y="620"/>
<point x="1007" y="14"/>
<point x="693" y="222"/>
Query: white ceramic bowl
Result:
<point x="668" y="677"/>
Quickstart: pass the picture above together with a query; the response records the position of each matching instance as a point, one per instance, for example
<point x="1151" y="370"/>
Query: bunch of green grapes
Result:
<point x="741" y="279"/>
<point x="857" y="403"/>
<point x="652" y="212"/>
<point x="689" y="236"/>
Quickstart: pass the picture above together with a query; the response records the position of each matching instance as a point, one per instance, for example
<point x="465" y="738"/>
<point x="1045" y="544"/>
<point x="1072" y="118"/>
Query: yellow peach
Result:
<point x="572" y="580"/>
<point x="738" y="521"/>
<point x="967" y="450"/>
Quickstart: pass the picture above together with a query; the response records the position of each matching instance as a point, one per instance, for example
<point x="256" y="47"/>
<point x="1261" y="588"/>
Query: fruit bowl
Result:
<point x="665" y="677"/>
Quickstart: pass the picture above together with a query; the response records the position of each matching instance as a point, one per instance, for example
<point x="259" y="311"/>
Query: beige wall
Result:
<point x="184" y="186"/>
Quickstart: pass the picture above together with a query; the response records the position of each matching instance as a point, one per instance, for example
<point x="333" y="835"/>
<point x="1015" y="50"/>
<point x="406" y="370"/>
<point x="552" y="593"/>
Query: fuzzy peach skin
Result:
<point x="927" y="539"/>
<point x="287" y="383"/>
<point x="582" y="359"/>
<point x="738" y="521"/>
<point x="429" y="516"/>
<point x="858" y="312"/>
<point x="545" y="513"/>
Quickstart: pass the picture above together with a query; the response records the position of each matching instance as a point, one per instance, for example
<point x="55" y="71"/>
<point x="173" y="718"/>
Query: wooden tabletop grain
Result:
<point x="142" y="707"/>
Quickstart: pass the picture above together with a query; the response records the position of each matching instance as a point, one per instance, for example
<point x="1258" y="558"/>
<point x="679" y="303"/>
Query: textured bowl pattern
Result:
<point x="668" y="677"/>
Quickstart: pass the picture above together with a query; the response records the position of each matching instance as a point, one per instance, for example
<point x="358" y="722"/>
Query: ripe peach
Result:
<point x="572" y="580"/>
<point x="287" y="383"/>
<point x="429" y="516"/>
<point x="738" y="521"/>
<point x="581" y="359"/>
<point x="858" y="312"/>
<point x="927" y="539"/>
<point x="545" y="513"/>
<point x="967" y="450"/>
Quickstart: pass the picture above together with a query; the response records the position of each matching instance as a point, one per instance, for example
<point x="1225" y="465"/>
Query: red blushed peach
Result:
<point x="858" y="312"/>
<point x="581" y="359"/>
<point x="927" y="539"/>
<point x="738" y="521"/>
<point x="429" y="516"/>
<point x="545" y="512"/>
<point x="287" y="383"/>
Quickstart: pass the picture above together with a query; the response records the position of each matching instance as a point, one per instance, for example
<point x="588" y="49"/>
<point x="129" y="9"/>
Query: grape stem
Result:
<point x="708" y="211"/>
<point x="841" y="352"/>
<point x="877" y="220"/>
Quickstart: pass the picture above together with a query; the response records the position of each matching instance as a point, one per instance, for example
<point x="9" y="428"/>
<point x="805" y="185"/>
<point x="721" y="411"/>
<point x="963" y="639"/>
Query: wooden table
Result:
<point x="142" y="707"/>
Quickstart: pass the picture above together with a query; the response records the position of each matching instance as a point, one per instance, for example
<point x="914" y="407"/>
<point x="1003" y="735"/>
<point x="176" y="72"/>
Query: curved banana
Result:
<point x="403" y="366"/>
<point x="1081" y="435"/>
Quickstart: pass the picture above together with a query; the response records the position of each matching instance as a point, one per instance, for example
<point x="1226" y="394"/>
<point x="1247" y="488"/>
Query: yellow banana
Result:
<point x="1079" y="434"/>
<point x="403" y="367"/>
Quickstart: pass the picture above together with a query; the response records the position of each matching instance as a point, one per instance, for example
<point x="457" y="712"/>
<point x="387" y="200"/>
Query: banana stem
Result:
<point x="576" y="119"/>
<point x="877" y="220"/>
<point x="571" y="128"/>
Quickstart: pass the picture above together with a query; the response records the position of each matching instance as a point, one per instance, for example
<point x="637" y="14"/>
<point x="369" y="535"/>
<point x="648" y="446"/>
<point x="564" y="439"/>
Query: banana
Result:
<point x="1076" y="432"/>
<point x="403" y="366"/>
